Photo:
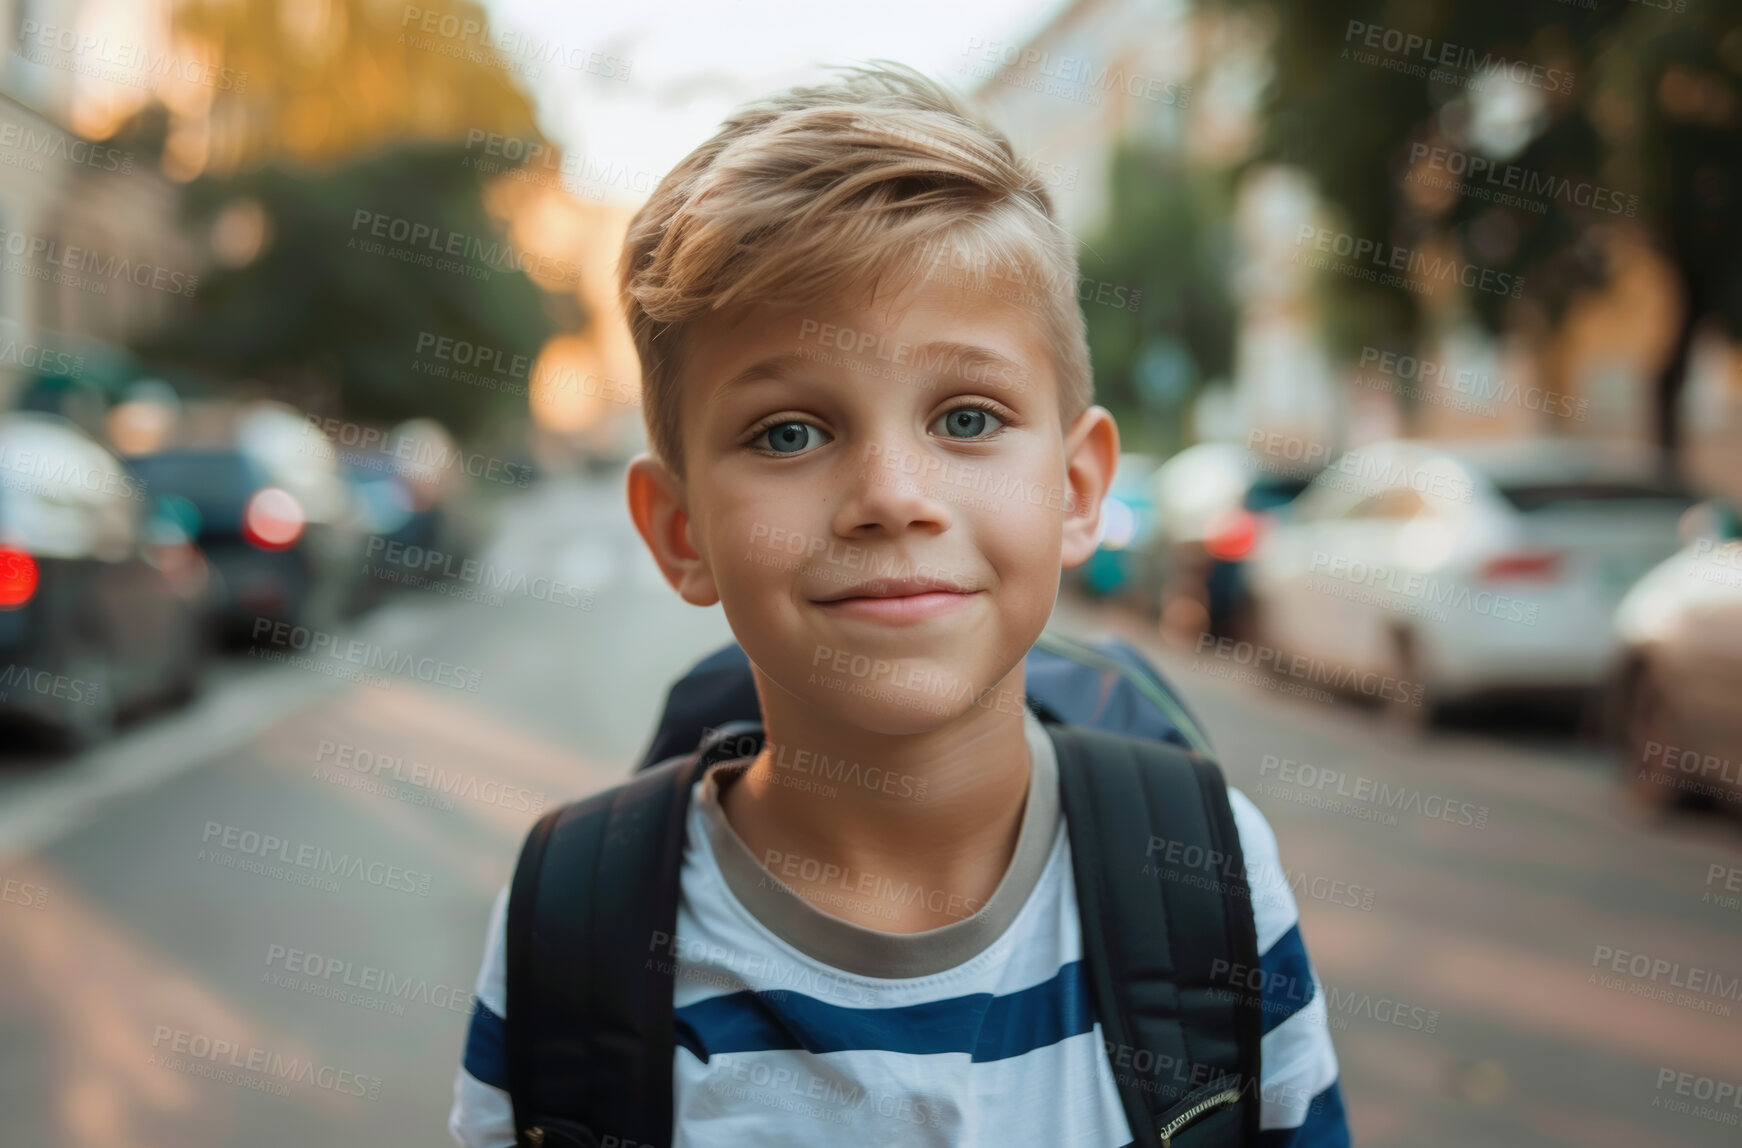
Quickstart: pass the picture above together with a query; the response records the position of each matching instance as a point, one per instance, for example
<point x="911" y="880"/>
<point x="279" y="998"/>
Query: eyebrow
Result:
<point x="940" y="358"/>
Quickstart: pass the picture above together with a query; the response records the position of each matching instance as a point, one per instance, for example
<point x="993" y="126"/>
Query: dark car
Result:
<point x="284" y="546"/>
<point x="415" y="530"/>
<point x="100" y="601"/>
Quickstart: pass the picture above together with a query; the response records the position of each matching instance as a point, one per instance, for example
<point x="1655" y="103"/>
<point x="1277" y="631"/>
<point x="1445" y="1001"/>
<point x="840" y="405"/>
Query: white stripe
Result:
<point x="733" y="950"/>
<point x="1062" y="1094"/>
<point x="492" y="984"/>
<point x="1273" y="907"/>
<point x="482" y="1116"/>
<point x="1299" y="1063"/>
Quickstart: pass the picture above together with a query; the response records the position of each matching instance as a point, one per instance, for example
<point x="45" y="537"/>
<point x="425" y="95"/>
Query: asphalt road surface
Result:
<point x="174" y="973"/>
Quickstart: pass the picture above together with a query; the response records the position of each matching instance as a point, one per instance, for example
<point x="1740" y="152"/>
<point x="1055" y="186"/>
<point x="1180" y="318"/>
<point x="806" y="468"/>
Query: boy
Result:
<point x="867" y="392"/>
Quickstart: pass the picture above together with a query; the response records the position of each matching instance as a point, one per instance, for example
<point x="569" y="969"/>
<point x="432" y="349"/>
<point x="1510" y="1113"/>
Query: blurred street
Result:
<point x="1458" y="932"/>
<point x="329" y="327"/>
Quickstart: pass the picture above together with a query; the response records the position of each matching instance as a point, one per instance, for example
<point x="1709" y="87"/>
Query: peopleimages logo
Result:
<point x="1389" y="582"/>
<point x="1415" y="265"/>
<point x="111" y="267"/>
<point x="250" y="843"/>
<point x="199" y="1054"/>
<point x="1363" y="792"/>
<point x="433" y="779"/>
<point x="1448" y="61"/>
<point x="352" y="982"/>
<point x="54" y="143"/>
<point x="475" y="256"/>
<point x="357" y="652"/>
<point x="54" y="469"/>
<point x="1468" y="390"/>
<point x="1498" y="179"/>
<point x="1649" y="975"/>
<point x="102" y="57"/>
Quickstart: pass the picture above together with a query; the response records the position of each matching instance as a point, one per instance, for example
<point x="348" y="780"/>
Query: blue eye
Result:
<point x="787" y="438"/>
<point x="969" y="422"/>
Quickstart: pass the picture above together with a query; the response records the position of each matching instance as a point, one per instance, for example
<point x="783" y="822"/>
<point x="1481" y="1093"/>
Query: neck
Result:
<point x="942" y="807"/>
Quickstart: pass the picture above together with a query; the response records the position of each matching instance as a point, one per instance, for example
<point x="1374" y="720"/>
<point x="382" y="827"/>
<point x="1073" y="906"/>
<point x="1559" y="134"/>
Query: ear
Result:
<point x="656" y="503"/>
<point x="1091" y="457"/>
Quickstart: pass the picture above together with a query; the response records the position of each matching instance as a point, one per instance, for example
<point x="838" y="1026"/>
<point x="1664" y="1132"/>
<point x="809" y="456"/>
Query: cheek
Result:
<point x="752" y="548"/>
<point x="1022" y="544"/>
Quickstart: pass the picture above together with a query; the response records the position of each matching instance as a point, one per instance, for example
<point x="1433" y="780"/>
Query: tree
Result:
<point x="1167" y="325"/>
<point x="318" y="310"/>
<point x="1641" y="102"/>
<point x="323" y="111"/>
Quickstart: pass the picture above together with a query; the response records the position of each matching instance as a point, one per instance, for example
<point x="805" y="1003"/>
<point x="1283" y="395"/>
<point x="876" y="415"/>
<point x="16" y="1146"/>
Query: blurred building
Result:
<point x="1184" y="83"/>
<point x="1189" y="83"/>
<point x="91" y="254"/>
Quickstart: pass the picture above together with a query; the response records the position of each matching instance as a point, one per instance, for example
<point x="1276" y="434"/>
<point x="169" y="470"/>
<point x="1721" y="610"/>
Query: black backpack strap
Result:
<point x="591" y="964"/>
<point x="1167" y="919"/>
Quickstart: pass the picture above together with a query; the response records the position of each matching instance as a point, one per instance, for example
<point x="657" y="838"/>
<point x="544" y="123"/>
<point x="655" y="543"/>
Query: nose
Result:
<point x="893" y="488"/>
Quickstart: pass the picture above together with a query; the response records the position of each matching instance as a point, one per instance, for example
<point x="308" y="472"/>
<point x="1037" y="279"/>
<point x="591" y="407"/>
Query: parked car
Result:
<point x="1213" y="502"/>
<point x="274" y="517"/>
<point x="1464" y="569"/>
<point x="100" y="600"/>
<point x="1124" y="561"/>
<point x="1677" y="677"/>
<point x="413" y="531"/>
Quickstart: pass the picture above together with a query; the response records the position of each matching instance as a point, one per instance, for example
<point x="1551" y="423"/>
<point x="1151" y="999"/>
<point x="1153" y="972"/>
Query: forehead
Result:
<point x="931" y="328"/>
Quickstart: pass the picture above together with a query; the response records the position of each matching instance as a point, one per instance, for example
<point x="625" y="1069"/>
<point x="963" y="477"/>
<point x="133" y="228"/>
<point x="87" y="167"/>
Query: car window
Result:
<point x="1273" y="493"/>
<point x="1534" y="496"/>
<point x="217" y="483"/>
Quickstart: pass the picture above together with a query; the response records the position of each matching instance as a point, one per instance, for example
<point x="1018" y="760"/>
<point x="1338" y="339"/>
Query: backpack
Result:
<point x="589" y="1030"/>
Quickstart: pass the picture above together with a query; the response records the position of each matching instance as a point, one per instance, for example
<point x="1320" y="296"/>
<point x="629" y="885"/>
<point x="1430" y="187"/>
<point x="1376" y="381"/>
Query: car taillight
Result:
<point x="1522" y="566"/>
<point x="273" y="519"/>
<point x="1230" y="537"/>
<point x="18" y="578"/>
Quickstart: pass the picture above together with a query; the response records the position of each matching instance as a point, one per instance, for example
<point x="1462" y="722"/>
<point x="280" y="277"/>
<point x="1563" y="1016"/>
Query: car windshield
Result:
<point x="1534" y="496"/>
<point x="1270" y="493"/>
<point x="218" y="483"/>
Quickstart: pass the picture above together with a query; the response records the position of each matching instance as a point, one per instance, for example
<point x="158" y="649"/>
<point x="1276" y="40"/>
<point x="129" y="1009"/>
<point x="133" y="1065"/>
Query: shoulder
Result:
<point x="491" y="988"/>
<point x="1273" y="906"/>
<point x="482" y="1115"/>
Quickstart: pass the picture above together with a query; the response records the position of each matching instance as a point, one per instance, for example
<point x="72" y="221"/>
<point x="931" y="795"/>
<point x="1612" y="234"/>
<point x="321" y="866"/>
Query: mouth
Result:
<point x="898" y="600"/>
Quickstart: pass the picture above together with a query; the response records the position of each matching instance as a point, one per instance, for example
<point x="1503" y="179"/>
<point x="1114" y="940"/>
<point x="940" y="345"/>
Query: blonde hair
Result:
<point x="818" y="192"/>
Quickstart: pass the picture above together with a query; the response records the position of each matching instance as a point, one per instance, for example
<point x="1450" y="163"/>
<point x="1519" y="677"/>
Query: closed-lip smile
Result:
<point x="897" y="588"/>
<point x="898" y="600"/>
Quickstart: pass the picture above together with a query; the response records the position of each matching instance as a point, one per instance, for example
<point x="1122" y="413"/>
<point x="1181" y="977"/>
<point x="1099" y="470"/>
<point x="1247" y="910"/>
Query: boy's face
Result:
<point x="881" y="497"/>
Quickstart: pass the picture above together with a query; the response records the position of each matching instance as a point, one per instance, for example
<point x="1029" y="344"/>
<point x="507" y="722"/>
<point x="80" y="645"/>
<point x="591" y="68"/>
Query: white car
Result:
<point x="1678" y="670"/>
<point x="1461" y="568"/>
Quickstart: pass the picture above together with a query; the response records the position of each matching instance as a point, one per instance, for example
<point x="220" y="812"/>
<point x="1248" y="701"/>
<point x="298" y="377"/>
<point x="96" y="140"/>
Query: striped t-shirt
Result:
<point x="979" y="1032"/>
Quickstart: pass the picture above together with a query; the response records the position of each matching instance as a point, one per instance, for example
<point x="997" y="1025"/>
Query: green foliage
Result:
<point x="323" y="322"/>
<point x="1168" y="323"/>
<point x="1652" y="109"/>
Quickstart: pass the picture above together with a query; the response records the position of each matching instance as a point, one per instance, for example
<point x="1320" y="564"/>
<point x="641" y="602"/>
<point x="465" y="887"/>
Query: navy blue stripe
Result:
<point x="1288" y="979"/>
<point x="1326" y="1126"/>
<point x="486" y="1047"/>
<point x="986" y="1027"/>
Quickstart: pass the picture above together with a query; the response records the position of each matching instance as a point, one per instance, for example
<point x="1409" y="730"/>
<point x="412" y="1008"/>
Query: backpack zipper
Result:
<point x="1226" y="1094"/>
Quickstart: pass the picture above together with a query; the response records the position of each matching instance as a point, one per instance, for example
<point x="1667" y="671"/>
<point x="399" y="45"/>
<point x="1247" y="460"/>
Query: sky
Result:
<point x="690" y="62"/>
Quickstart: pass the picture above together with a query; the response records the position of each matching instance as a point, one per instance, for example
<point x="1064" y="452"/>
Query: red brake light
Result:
<point x="1522" y="566"/>
<point x="1231" y="536"/>
<point x="18" y="578"/>
<point x="273" y="519"/>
